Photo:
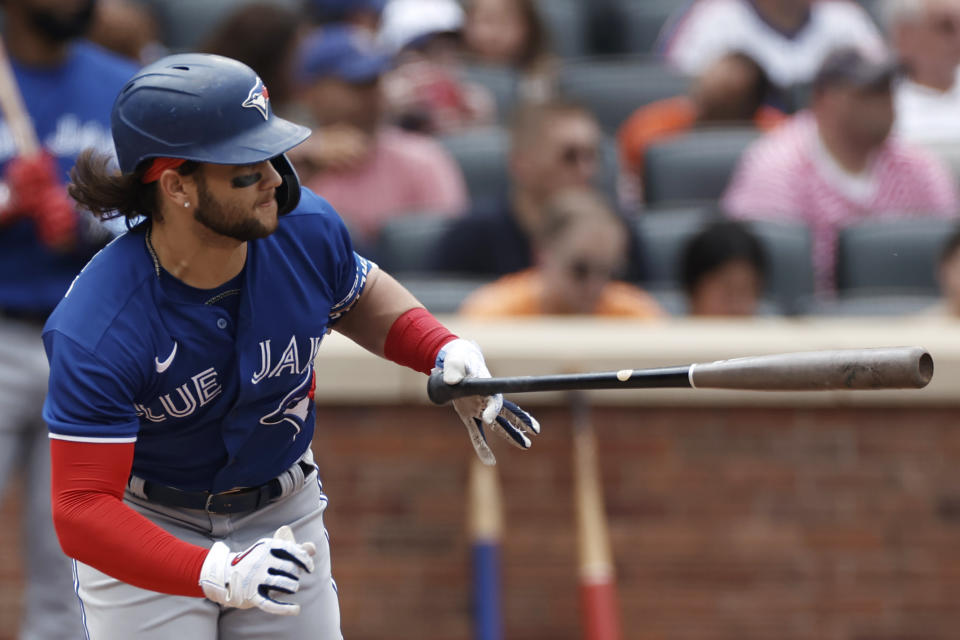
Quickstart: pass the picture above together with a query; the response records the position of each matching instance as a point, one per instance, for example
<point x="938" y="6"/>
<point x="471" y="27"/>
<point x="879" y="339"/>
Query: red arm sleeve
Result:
<point x="97" y="528"/>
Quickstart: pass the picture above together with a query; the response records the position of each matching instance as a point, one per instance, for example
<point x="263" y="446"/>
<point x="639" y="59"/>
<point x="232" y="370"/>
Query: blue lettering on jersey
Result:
<point x="213" y="400"/>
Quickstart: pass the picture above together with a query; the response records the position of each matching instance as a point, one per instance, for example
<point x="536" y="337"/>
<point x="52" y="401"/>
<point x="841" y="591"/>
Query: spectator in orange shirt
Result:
<point x="730" y="92"/>
<point x="579" y="250"/>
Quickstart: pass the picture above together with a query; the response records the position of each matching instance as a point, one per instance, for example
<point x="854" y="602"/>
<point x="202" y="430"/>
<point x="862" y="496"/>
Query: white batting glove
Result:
<point x="459" y="359"/>
<point x="244" y="580"/>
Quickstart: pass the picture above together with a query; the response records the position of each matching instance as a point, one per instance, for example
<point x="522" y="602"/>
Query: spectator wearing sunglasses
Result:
<point x="580" y="252"/>
<point x="925" y="34"/>
<point x="554" y="146"/>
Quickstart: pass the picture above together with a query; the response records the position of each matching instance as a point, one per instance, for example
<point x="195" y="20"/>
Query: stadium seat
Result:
<point x="501" y="82"/>
<point x="662" y="235"/>
<point x="695" y="166"/>
<point x="482" y="156"/>
<point x="787" y="247"/>
<point x="665" y="232"/>
<point x="184" y="24"/>
<point x="642" y="21"/>
<point x="612" y="88"/>
<point x="405" y="243"/>
<point x="891" y="255"/>
<point x="441" y="294"/>
<point x="566" y="23"/>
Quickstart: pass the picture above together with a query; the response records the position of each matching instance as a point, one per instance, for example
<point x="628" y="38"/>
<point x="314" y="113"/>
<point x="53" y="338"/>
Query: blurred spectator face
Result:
<point x="863" y="114"/>
<point x="563" y="152"/>
<point x="722" y="270"/>
<point x="928" y="41"/>
<point x="340" y="69"/>
<point x="496" y="30"/>
<point x="732" y="289"/>
<point x="578" y="260"/>
<point x="127" y="29"/>
<point x="336" y="101"/>
<point x="730" y="90"/>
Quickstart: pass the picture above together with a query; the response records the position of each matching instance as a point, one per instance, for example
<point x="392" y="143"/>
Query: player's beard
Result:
<point x="229" y="221"/>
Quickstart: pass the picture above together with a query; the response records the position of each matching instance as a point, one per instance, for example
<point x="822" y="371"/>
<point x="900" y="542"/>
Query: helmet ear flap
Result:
<point x="288" y="193"/>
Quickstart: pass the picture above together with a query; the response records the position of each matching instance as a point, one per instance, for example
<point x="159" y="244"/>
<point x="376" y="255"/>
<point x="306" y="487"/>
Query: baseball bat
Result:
<point x="599" y="611"/>
<point x="13" y="109"/>
<point x="841" y="369"/>
<point x="486" y="530"/>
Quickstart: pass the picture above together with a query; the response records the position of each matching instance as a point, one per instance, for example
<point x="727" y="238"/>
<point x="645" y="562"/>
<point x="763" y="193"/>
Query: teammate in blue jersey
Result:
<point x="180" y="402"/>
<point x="68" y="86"/>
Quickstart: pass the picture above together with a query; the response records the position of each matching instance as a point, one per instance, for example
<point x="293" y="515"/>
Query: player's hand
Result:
<point x="459" y="359"/>
<point x="246" y="579"/>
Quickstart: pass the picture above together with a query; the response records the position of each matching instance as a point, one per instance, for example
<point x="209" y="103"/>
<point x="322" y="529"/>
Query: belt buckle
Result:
<point x="209" y="503"/>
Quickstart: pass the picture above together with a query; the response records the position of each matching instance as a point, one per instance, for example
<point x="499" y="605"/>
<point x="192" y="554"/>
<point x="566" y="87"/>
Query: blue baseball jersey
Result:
<point x="69" y="106"/>
<point x="217" y="392"/>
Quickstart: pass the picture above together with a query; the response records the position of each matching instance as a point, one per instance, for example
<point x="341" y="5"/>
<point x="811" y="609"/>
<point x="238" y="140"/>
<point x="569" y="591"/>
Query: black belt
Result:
<point x="234" y="501"/>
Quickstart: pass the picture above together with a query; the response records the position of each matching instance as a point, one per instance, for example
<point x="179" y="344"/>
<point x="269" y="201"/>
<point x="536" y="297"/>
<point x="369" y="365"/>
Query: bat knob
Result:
<point x="439" y="391"/>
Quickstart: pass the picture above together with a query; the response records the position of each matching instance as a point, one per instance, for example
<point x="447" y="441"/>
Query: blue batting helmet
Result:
<point x="204" y="108"/>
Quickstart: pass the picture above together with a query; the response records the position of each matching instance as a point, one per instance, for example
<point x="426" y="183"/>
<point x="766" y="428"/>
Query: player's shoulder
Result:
<point x="105" y="65"/>
<point x="108" y="284"/>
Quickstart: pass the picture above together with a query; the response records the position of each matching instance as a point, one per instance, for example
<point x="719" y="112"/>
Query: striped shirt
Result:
<point x="711" y="28"/>
<point x="789" y="175"/>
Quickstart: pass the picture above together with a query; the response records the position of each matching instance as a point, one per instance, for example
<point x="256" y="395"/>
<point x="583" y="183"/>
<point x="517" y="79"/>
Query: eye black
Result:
<point x="241" y="182"/>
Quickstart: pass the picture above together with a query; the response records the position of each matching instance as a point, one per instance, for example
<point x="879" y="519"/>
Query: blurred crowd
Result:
<point x="625" y="157"/>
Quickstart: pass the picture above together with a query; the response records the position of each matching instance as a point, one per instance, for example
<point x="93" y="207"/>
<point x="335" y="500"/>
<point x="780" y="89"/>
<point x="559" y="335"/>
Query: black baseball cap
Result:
<point x="849" y="66"/>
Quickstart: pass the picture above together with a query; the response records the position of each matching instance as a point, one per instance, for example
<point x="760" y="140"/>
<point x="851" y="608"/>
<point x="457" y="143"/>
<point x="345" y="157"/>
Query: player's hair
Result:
<point x="107" y="194"/>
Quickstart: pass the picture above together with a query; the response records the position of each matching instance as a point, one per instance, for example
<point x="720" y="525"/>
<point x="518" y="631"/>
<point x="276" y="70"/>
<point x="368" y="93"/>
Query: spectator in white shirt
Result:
<point x="788" y="38"/>
<point x="925" y="34"/>
<point x="836" y="164"/>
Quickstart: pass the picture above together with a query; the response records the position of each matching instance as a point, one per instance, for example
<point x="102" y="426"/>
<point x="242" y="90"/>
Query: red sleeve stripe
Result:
<point x="95" y="526"/>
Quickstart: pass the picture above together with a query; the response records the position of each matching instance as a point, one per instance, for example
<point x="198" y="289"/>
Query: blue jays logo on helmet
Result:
<point x="295" y="405"/>
<point x="258" y="98"/>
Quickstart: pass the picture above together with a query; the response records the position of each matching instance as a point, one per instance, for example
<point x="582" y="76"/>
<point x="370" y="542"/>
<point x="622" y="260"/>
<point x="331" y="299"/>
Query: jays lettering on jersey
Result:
<point x="215" y="395"/>
<point x="69" y="106"/>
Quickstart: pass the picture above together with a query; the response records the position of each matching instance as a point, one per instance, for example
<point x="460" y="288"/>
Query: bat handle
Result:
<point x="439" y="391"/>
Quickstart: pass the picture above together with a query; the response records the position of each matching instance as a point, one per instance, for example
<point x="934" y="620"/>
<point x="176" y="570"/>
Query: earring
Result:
<point x="186" y="205"/>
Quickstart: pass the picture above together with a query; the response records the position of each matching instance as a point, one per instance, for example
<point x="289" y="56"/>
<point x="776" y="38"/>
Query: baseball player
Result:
<point x="68" y="86"/>
<point x="181" y="368"/>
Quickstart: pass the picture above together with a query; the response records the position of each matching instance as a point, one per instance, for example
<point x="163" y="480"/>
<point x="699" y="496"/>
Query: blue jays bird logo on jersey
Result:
<point x="258" y="98"/>
<point x="295" y="405"/>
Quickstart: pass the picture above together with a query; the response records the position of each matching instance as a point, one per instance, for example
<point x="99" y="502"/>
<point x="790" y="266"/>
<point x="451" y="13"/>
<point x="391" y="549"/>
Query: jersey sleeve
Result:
<point x="87" y="400"/>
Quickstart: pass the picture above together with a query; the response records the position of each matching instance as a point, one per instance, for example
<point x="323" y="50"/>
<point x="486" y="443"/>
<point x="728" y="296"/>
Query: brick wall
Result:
<point x="816" y="524"/>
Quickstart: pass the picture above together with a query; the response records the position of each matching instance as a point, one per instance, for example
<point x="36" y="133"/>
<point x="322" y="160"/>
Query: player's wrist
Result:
<point x="415" y="339"/>
<point x="213" y="576"/>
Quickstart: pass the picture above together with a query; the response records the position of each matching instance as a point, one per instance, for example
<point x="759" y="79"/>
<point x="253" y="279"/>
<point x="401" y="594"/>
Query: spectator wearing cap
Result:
<point x="360" y="14"/>
<point x="925" y="34"/>
<point x="426" y="90"/>
<point x="788" y="38"/>
<point x="580" y="252"/>
<point x="371" y="172"/>
<point x="836" y="164"/>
